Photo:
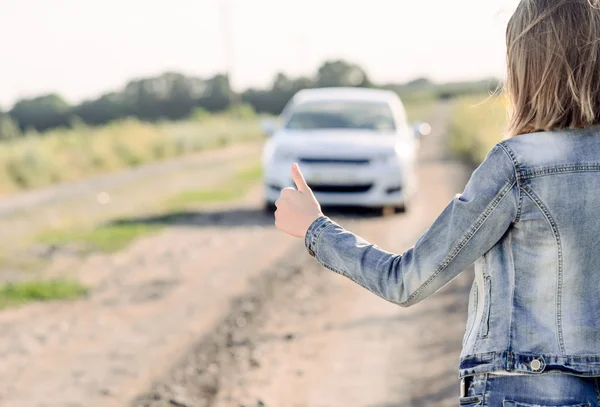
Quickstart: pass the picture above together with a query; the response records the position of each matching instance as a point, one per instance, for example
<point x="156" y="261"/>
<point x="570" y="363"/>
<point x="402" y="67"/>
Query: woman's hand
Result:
<point x="296" y="209"/>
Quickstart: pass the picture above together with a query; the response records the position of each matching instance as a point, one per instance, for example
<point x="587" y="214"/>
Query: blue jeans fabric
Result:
<point x="547" y="390"/>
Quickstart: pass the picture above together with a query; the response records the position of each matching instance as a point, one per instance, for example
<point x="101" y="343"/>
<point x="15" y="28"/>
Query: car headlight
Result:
<point x="387" y="158"/>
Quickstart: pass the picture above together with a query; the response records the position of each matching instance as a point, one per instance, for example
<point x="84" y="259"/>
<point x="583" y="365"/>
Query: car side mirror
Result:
<point x="269" y="127"/>
<point x="421" y="129"/>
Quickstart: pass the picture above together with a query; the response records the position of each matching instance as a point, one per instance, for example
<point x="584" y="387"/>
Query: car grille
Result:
<point x="353" y="161"/>
<point x="348" y="189"/>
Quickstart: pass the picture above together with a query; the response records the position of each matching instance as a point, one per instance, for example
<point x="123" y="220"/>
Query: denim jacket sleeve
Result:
<point x="470" y="225"/>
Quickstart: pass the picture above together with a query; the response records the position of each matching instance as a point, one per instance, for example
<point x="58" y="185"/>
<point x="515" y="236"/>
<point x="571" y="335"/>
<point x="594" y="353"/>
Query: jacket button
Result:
<point x="536" y="365"/>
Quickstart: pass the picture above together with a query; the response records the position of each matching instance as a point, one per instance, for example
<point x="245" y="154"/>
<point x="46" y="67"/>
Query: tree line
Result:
<point x="174" y="96"/>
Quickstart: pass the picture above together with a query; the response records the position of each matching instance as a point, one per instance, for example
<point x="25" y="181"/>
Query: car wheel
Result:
<point x="401" y="208"/>
<point x="270" y="208"/>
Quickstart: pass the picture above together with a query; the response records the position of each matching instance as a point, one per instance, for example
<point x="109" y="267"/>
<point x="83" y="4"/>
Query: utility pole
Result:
<point x="225" y="12"/>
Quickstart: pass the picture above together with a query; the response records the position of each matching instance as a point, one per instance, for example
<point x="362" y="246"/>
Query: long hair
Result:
<point x="553" y="65"/>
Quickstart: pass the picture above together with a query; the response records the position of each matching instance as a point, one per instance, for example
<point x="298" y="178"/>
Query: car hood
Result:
<point x="328" y="142"/>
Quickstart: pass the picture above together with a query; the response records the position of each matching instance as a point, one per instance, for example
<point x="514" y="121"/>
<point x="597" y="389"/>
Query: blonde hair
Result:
<point x="553" y="65"/>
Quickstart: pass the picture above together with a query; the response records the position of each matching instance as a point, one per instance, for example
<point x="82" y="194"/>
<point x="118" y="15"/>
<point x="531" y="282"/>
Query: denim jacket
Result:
<point x="529" y="219"/>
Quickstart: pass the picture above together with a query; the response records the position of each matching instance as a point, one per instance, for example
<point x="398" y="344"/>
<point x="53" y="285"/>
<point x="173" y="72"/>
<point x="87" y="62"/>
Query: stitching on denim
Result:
<point x="470" y="400"/>
<point x="480" y="355"/>
<point x="485" y="389"/>
<point x="314" y="238"/>
<point x="323" y="228"/>
<point x="516" y="167"/>
<point x="484" y="329"/>
<point x="560" y="169"/>
<point x="317" y="233"/>
<point x="479" y="331"/>
<point x="312" y="229"/>
<point x="569" y="357"/>
<point x="559" y="277"/>
<point x="463" y="242"/>
<point x="512" y="294"/>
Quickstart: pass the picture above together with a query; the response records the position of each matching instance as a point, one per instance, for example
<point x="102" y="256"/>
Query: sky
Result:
<point x="81" y="49"/>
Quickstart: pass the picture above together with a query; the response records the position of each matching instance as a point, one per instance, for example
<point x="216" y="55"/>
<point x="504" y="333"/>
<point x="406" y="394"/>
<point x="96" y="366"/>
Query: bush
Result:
<point x="9" y="129"/>
<point x="200" y="114"/>
<point x="242" y="111"/>
<point x="477" y="124"/>
<point x="66" y="154"/>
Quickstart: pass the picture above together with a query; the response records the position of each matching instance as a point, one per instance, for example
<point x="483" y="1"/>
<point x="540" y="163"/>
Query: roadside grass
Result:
<point x="18" y="293"/>
<point x="419" y="110"/>
<point x="236" y="188"/>
<point x="107" y="238"/>
<point x="477" y="123"/>
<point x="59" y="155"/>
<point x="202" y="195"/>
<point x="114" y="236"/>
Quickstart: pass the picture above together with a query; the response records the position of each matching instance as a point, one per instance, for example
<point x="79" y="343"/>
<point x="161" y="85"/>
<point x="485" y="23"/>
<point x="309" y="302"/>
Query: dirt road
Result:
<point x="223" y="310"/>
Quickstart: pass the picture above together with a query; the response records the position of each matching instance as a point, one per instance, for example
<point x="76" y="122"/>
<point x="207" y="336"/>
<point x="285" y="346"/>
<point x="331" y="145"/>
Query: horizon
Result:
<point x="82" y="59"/>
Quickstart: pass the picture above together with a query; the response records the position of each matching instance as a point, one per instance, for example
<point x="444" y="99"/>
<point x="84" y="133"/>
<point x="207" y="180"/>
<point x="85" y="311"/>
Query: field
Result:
<point x="477" y="123"/>
<point x="69" y="154"/>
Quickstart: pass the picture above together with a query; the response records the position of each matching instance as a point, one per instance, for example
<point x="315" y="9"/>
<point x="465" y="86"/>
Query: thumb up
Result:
<point x="297" y="208"/>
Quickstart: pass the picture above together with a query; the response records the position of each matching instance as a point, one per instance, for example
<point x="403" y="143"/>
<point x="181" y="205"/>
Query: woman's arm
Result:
<point x="467" y="228"/>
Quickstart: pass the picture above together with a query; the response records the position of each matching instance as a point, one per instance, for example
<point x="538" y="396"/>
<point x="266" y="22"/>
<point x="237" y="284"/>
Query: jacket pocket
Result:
<point x="472" y="313"/>
<point x="487" y="305"/>
<point x="509" y="403"/>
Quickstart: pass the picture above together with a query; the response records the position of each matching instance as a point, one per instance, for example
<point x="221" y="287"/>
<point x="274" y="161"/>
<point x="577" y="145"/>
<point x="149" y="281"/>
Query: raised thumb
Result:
<point x="299" y="179"/>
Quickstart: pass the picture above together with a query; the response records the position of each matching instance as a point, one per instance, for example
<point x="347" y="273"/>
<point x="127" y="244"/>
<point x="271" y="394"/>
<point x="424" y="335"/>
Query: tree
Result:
<point x="341" y="73"/>
<point x="282" y="83"/>
<point x="274" y="99"/>
<point x="218" y="94"/>
<point x="42" y="113"/>
<point x="168" y="96"/>
<point x="419" y="83"/>
<point x="103" y="110"/>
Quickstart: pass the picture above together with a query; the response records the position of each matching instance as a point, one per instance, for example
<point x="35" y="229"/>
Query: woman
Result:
<point x="529" y="218"/>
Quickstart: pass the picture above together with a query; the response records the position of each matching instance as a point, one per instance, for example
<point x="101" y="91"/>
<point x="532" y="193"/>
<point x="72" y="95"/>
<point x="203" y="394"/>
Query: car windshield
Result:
<point x="375" y="116"/>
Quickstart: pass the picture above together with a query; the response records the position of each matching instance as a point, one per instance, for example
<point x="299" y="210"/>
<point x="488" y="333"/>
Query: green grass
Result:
<point x="235" y="189"/>
<point x="477" y="123"/>
<point x="106" y="238"/>
<point x="18" y="293"/>
<point x="202" y="196"/>
<point x="250" y="174"/>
